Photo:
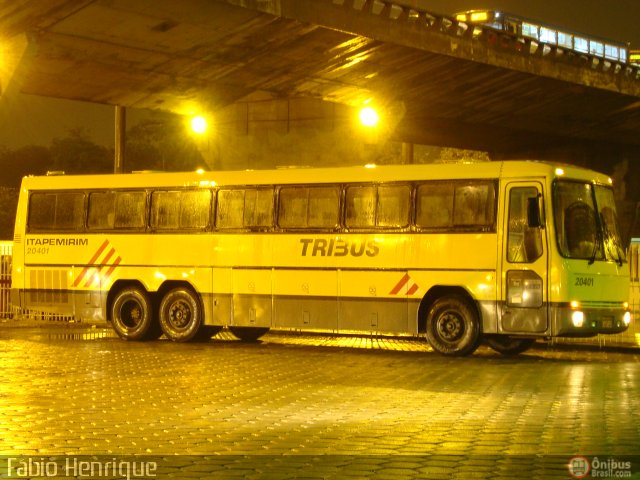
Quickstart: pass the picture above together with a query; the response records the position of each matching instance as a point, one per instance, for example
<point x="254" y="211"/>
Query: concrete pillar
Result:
<point x="407" y="153"/>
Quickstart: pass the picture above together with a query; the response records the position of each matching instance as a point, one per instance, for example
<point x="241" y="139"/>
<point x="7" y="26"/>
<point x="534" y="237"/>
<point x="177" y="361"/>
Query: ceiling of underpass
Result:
<point x="444" y="83"/>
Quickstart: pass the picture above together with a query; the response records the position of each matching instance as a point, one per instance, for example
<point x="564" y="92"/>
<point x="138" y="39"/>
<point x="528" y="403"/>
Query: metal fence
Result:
<point x="631" y="336"/>
<point x="6" y="254"/>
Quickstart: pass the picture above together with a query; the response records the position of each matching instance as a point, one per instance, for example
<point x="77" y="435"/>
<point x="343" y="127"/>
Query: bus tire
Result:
<point x="180" y="314"/>
<point x="249" y="334"/>
<point x="132" y="314"/>
<point x="453" y="327"/>
<point x="508" y="345"/>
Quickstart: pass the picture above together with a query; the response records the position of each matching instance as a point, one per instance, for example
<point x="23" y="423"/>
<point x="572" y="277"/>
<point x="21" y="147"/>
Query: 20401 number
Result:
<point x="37" y="250"/>
<point x="584" y="282"/>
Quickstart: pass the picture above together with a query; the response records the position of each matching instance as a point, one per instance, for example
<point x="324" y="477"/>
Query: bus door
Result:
<point x="524" y="261"/>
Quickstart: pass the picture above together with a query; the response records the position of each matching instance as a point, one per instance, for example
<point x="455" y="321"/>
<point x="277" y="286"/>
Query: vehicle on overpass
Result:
<point x="501" y="252"/>
<point x="547" y="34"/>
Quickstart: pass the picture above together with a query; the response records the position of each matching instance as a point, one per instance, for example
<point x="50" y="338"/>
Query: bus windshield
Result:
<point x="580" y="232"/>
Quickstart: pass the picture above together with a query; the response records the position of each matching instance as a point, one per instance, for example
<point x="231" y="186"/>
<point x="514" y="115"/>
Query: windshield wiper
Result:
<point x="599" y="240"/>
<point x="620" y="261"/>
<point x="608" y="237"/>
<point x="596" y="248"/>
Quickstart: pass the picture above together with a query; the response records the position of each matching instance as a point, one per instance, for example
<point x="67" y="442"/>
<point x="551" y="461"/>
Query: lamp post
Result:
<point x="120" y="138"/>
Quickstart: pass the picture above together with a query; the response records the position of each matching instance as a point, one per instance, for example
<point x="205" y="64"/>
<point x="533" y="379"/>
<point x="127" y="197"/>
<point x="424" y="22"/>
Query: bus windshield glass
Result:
<point x="581" y="233"/>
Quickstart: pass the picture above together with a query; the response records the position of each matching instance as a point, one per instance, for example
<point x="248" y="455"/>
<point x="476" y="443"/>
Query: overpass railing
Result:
<point x="401" y="11"/>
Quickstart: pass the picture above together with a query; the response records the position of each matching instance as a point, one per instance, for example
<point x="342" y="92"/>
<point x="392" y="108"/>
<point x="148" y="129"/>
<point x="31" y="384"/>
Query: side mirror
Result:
<point x="534" y="219"/>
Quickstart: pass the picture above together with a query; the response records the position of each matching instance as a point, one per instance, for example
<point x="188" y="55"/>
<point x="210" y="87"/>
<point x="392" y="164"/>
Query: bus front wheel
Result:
<point x="508" y="345"/>
<point x="131" y="314"/>
<point x="180" y="314"/>
<point x="453" y="327"/>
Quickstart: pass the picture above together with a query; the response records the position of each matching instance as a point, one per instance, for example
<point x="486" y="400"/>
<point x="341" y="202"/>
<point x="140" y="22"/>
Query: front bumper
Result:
<point x="595" y="320"/>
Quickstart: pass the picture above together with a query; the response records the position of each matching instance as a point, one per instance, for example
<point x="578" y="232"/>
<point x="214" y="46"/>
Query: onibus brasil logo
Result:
<point x="582" y="467"/>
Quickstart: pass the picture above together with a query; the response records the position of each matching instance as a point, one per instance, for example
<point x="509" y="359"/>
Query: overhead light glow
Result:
<point x="369" y="117"/>
<point x="199" y="124"/>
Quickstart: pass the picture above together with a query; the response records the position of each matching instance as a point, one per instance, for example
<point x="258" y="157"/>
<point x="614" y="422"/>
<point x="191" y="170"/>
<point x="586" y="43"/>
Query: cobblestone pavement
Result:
<point x="311" y="406"/>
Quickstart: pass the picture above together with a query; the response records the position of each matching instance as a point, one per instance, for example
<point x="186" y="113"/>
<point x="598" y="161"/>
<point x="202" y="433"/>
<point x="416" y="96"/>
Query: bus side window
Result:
<point x="361" y="206"/>
<point x="101" y="210"/>
<point x="117" y="210"/>
<point x="165" y="210"/>
<point x="230" y="208"/>
<point x="434" y="205"/>
<point x="524" y="243"/>
<point x="56" y="211"/>
<point x="42" y="211"/>
<point x="393" y="206"/>
<point x="309" y="207"/>
<point x="384" y="206"/>
<point x="324" y="207"/>
<point x="195" y="208"/>
<point x="130" y="210"/>
<point x="474" y="205"/>
<point x="461" y="205"/>
<point x="258" y="208"/>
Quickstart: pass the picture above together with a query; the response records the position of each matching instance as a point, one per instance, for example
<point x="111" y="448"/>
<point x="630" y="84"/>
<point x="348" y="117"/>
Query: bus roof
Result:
<point x="301" y="175"/>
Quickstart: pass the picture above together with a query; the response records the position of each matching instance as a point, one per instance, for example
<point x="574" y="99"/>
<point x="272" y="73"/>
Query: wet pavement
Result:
<point x="313" y="406"/>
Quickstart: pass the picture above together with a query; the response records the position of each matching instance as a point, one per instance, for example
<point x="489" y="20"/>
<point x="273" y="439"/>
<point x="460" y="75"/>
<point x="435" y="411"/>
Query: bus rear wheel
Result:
<point x="180" y="314"/>
<point x="132" y="314"/>
<point x="453" y="327"/>
<point x="508" y="345"/>
<point x="248" y="334"/>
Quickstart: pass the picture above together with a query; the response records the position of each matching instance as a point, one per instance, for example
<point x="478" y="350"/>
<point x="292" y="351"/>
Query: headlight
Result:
<point x="577" y="318"/>
<point x="627" y="318"/>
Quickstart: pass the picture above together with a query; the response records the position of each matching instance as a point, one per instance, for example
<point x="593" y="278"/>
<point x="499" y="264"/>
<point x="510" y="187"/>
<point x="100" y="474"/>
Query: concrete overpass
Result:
<point x="272" y="65"/>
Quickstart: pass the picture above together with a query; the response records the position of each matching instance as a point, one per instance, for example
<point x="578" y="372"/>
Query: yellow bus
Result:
<point x="500" y="252"/>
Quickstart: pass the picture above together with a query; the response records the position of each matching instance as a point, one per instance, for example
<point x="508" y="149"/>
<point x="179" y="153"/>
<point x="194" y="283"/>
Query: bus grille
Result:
<point x="48" y="287"/>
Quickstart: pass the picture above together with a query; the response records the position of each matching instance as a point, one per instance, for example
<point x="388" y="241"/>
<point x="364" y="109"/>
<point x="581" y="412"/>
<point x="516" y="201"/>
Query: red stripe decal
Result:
<point x="95" y="279"/>
<point x="414" y="288"/>
<point x="86" y="270"/>
<point x="400" y="284"/>
<point x="113" y="267"/>
<point x="92" y="277"/>
<point x="109" y="255"/>
<point x="100" y="250"/>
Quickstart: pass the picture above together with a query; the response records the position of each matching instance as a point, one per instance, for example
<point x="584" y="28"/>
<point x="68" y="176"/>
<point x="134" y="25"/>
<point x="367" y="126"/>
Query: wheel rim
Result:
<point x="450" y="327"/>
<point x="179" y="314"/>
<point x="132" y="314"/>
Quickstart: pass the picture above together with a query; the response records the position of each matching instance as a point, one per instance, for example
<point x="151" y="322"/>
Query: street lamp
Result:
<point x="199" y="124"/>
<point x="369" y="117"/>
